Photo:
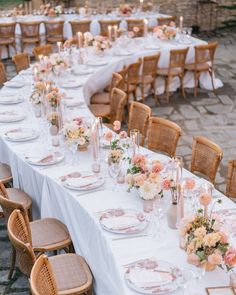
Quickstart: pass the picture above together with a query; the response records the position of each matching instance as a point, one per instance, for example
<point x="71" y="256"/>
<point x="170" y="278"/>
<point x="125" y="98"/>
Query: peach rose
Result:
<point x="193" y="259"/>
<point x="223" y="238"/>
<point x="230" y="257"/>
<point x="205" y="199"/>
<point x="166" y="184"/>
<point x="211" y="239"/>
<point x="215" y="258"/>
<point x="129" y="179"/>
<point x="116" y="125"/>
<point x="200" y="232"/>
<point x="189" y="183"/>
<point x="136" y="29"/>
<point x="157" y="167"/>
<point x="139" y="180"/>
<point x="108" y="136"/>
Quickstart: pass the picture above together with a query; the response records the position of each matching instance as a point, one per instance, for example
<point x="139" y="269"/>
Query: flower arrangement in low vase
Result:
<point x="58" y="63"/>
<point x="165" y="32"/>
<point x="36" y="98"/>
<point x="79" y="131"/>
<point x="206" y="240"/>
<point x="18" y="10"/>
<point x="49" y="10"/>
<point x="101" y="43"/>
<point x="53" y="97"/>
<point x="125" y="9"/>
<point x="41" y="69"/>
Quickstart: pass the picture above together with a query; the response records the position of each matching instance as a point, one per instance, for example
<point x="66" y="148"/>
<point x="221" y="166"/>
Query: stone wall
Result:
<point x="206" y="16"/>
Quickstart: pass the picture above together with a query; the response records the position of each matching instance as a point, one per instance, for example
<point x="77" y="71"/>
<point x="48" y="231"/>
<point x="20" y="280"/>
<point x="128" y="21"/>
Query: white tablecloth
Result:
<point x="105" y="256"/>
<point x="94" y="27"/>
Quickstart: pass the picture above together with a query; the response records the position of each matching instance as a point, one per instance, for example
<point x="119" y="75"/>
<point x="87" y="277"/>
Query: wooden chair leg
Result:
<point x="90" y="291"/>
<point x="8" y="51"/>
<point x="30" y="214"/>
<point x="143" y="88"/>
<point x="212" y="80"/>
<point x="195" y="83"/>
<point x="182" y="86"/>
<point x="168" y="80"/>
<point x="13" y="263"/>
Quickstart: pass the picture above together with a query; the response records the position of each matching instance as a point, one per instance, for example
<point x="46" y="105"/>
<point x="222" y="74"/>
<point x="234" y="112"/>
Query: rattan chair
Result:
<point x="132" y="79"/>
<point x="204" y="61"/>
<point x="63" y="274"/>
<point x="7" y="36"/>
<point x="43" y="235"/>
<point x="104" y="24"/>
<point x="175" y="69"/>
<point x="82" y="26"/>
<point x="29" y="34"/>
<point x="54" y="31"/>
<point x="163" y="135"/>
<point x="5" y="173"/>
<point x="148" y="76"/>
<point x="165" y="20"/>
<point x="3" y="75"/>
<point x="231" y="180"/>
<point x="105" y="97"/>
<point x="115" y="110"/>
<point x="139" y="115"/>
<point x="21" y="61"/>
<point x="121" y="85"/>
<point x="136" y="23"/>
<point x="206" y="157"/>
<point x="44" y="50"/>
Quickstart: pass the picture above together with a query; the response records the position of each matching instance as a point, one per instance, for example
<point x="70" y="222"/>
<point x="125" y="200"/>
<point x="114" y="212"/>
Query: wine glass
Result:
<point x="73" y="146"/>
<point x="114" y="171"/>
<point x="198" y="274"/>
<point x="183" y="278"/>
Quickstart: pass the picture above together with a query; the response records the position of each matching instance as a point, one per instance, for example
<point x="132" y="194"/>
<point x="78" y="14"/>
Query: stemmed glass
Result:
<point x="183" y="278"/>
<point x="114" y="171"/>
<point x="73" y="146"/>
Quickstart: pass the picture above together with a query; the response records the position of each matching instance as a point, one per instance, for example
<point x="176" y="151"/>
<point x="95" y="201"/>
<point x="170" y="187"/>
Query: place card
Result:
<point x="221" y="291"/>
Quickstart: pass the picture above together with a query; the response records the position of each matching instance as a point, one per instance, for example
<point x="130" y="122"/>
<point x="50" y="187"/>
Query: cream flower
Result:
<point x="200" y="232"/>
<point x="147" y="191"/>
<point x="211" y="239"/>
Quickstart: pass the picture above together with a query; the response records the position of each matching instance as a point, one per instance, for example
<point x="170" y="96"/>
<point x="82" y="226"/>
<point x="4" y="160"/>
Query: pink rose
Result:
<point x="116" y="125"/>
<point x="108" y="136"/>
<point x="138" y="159"/>
<point x="224" y="237"/>
<point x="215" y="258"/>
<point x="157" y="167"/>
<point x="193" y="259"/>
<point x="78" y="120"/>
<point x="123" y="134"/>
<point x="166" y="184"/>
<point x="139" y="180"/>
<point x="189" y="183"/>
<point x="230" y="257"/>
<point x="205" y="199"/>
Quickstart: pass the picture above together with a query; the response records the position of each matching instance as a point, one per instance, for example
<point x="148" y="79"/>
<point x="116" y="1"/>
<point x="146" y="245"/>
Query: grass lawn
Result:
<point x="9" y="3"/>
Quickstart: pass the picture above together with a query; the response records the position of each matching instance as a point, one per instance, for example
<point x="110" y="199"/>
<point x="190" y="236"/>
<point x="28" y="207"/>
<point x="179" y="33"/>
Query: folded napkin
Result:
<point x="14" y="84"/>
<point x="81" y="181"/>
<point x="120" y="222"/>
<point x="46" y="158"/>
<point x="143" y="278"/>
<point x="20" y="134"/>
<point x="9" y="98"/>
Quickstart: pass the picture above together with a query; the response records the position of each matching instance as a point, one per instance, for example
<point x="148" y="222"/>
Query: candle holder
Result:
<point x="134" y="136"/>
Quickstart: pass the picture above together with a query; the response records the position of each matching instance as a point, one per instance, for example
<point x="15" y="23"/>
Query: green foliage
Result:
<point x="231" y="22"/>
<point x="9" y="3"/>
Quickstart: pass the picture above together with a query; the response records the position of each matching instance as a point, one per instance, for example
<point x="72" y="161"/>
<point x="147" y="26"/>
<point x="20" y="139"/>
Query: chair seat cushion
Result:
<point x="5" y="173"/>
<point x="30" y="40"/>
<point x="100" y="110"/>
<point x="70" y="272"/>
<point x="6" y="41"/>
<point x="19" y="196"/>
<point x="100" y="98"/>
<point x="165" y="71"/>
<point x="199" y="67"/>
<point x="49" y="234"/>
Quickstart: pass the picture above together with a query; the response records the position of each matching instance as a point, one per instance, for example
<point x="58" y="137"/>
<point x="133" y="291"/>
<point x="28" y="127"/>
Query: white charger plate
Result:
<point x="10" y="99"/>
<point x="32" y="134"/>
<point x="10" y="118"/>
<point x="34" y="160"/>
<point x="14" y="84"/>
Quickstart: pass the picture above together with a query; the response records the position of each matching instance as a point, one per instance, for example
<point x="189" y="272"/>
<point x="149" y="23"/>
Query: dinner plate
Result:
<point x="14" y="84"/>
<point x="82" y="72"/>
<point x="10" y="99"/>
<point x="86" y="181"/>
<point x="97" y="63"/>
<point x="71" y="84"/>
<point x="152" y="276"/>
<point x="227" y="218"/>
<point x="11" y="116"/>
<point x="44" y="159"/>
<point x="123" y="221"/>
<point x="21" y="134"/>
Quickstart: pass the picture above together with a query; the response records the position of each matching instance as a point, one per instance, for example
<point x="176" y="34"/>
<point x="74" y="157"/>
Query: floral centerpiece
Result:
<point x="41" y="70"/>
<point x="206" y="241"/>
<point x="54" y="97"/>
<point x="18" y="10"/>
<point x="36" y="96"/>
<point x="49" y="10"/>
<point x="77" y="130"/>
<point x="164" y="32"/>
<point x="58" y="63"/>
<point x="101" y="43"/>
<point x="88" y="39"/>
<point x="125" y="9"/>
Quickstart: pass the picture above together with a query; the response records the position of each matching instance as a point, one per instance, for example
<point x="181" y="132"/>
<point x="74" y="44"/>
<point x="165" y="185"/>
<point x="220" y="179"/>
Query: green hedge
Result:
<point x="9" y="3"/>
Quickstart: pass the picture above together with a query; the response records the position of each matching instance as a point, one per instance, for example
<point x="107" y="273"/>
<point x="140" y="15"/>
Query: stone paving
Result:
<point x="213" y="116"/>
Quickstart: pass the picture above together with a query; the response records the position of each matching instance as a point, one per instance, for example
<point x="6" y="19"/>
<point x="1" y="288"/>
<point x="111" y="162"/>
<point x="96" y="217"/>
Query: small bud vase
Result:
<point x="148" y="206"/>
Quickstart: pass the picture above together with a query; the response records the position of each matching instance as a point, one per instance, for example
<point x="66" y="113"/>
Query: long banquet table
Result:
<point x="67" y="31"/>
<point x="105" y="256"/>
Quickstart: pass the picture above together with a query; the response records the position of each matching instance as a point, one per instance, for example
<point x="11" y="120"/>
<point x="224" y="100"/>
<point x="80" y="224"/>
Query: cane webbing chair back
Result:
<point x="3" y="74"/>
<point x="206" y="157"/>
<point x="42" y="280"/>
<point x="139" y="115"/>
<point x="104" y="24"/>
<point x="30" y="29"/>
<point x="136" y="23"/>
<point x="44" y="50"/>
<point x="118" y="102"/>
<point x="231" y="179"/>
<point x="54" y="31"/>
<point x="21" y="61"/>
<point x="82" y="26"/>
<point x="165" y="20"/>
<point x="163" y="135"/>
<point x="20" y="238"/>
